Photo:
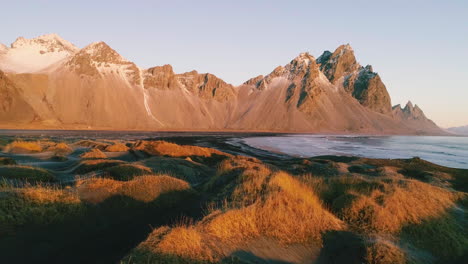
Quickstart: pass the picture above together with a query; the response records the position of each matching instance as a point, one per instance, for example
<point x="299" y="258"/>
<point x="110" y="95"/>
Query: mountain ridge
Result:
<point x="95" y="87"/>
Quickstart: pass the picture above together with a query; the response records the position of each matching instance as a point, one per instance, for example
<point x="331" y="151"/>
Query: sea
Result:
<point x="442" y="150"/>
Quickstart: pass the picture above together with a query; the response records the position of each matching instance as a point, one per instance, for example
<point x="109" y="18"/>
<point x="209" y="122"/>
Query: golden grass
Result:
<point x="91" y="144"/>
<point x="291" y="213"/>
<point x="163" y="148"/>
<point x="143" y="188"/>
<point x="288" y="211"/>
<point x="46" y="194"/>
<point x="389" y="205"/>
<point x="409" y="203"/>
<point x="117" y="147"/>
<point x="248" y="185"/>
<point x="187" y="242"/>
<point x="380" y="251"/>
<point x="23" y="147"/>
<point x="35" y="205"/>
<point x="59" y="148"/>
<point x="93" y="154"/>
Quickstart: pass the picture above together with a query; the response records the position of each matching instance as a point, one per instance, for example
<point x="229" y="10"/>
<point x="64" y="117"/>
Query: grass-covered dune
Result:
<point x="162" y="202"/>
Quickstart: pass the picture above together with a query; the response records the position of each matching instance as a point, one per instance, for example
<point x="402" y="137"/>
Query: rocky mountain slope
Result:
<point x="60" y="86"/>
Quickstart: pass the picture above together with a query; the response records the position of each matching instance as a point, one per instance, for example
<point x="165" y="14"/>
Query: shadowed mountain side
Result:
<point x="13" y="106"/>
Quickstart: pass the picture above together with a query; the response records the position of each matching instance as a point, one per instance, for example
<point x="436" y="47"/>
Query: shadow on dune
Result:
<point x="248" y="257"/>
<point x="445" y="237"/>
<point x="184" y="169"/>
<point x="101" y="233"/>
<point x="341" y="247"/>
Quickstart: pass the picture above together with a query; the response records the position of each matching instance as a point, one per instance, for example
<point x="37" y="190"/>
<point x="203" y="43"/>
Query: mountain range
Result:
<point x="461" y="130"/>
<point x="49" y="83"/>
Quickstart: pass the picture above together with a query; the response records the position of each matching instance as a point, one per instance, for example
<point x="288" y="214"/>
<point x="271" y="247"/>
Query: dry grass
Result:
<point x="93" y="154"/>
<point x="241" y="178"/>
<point x="91" y="144"/>
<point x="127" y="172"/>
<point x="96" y="164"/>
<point x="46" y="194"/>
<point x="117" y="147"/>
<point x="143" y="188"/>
<point x="163" y="148"/>
<point x="397" y="204"/>
<point x="23" y="147"/>
<point x="288" y="212"/>
<point x="188" y="243"/>
<point x="35" y="205"/>
<point x="291" y="213"/>
<point x="379" y="251"/>
<point x="59" y="148"/>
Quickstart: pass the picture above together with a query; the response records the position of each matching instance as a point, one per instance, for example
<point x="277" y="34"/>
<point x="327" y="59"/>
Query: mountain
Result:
<point x="461" y="130"/>
<point x="13" y="108"/>
<point x="94" y="87"/>
<point x="32" y="55"/>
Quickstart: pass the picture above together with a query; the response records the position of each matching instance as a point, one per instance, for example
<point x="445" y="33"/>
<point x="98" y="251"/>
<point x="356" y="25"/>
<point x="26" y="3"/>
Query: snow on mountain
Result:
<point x="96" y="87"/>
<point x="36" y="54"/>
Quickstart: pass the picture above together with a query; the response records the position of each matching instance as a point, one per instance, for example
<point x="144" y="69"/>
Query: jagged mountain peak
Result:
<point x="305" y="94"/>
<point x="303" y="57"/>
<point x="339" y="63"/>
<point x="410" y="111"/>
<point x="100" y="52"/>
<point x="344" y="48"/>
<point x="51" y="42"/>
<point x="35" y="54"/>
<point x="409" y="105"/>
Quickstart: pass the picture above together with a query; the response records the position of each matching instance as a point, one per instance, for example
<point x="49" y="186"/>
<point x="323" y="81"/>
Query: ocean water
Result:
<point x="446" y="151"/>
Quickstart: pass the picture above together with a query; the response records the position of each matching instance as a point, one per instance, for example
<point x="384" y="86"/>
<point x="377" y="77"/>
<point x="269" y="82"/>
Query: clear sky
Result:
<point x="419" y="48"/>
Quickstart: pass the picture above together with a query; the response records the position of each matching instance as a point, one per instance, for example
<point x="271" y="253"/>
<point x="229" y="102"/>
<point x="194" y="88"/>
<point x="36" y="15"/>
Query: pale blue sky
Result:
<point x="420" y="48"/>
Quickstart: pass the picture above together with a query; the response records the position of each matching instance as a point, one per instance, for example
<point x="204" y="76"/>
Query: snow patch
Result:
<point x="33" y="55"/>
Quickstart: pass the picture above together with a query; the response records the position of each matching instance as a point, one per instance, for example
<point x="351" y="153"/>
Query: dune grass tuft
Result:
<point x="143" y="188"/>
<point x="59" y="148"/>
<point x="26" y="173"/>
<point x="126" y="172"/>
<point x="93" y="154"/>
<point x="163" y="148"/>
<point x="23" y="147"/>
<point x="287" y="211"/>
<point x="379" y="251"/>
<point x="117" y="147"/>
<point x="35" y="205"/>
<point x="96" y="164"/>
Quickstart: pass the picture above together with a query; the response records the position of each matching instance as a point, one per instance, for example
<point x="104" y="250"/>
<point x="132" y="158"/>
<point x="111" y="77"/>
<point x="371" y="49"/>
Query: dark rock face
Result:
<point x="361" y="82"/>
<point x="339" y="63"/>
<point x="367" y="87"/>
<point x="161" y="77"/>
<point x="206" y="86"/>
